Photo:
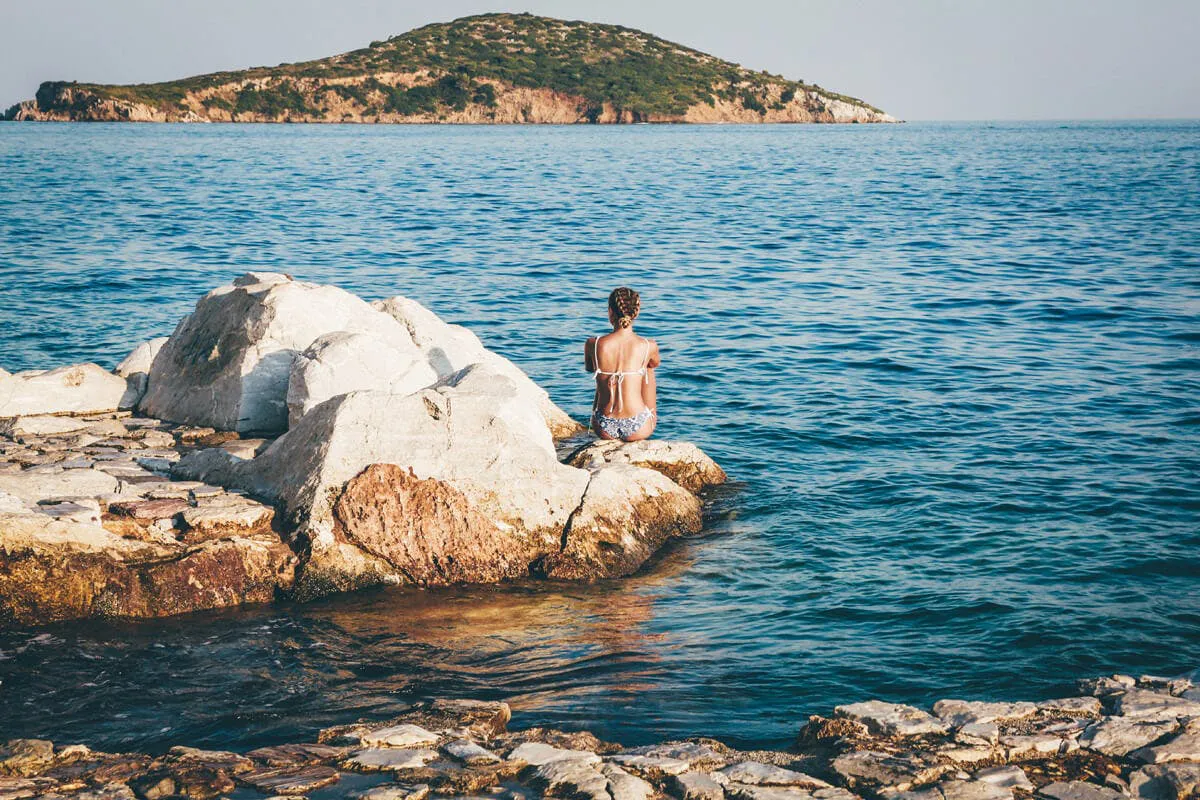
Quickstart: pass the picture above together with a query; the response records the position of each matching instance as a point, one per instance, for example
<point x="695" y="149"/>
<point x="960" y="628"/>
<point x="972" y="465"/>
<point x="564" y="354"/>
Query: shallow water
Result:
<point x="954" y="371"/>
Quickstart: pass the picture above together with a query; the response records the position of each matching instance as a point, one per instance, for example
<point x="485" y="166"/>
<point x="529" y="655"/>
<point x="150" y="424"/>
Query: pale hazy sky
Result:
<point x="917" y="59"/>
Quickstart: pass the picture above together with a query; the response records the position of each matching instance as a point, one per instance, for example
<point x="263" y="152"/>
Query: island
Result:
<point x="484" y="69"/>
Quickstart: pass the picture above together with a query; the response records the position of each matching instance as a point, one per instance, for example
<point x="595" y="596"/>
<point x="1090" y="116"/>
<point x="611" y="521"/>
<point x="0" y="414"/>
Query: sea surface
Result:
<point x="952" y="369"/>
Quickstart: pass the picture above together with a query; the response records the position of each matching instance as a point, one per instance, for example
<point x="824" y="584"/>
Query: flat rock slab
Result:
<point x="1184" y="747"/>
<point x="623" y="786"/>
<point x="746" y="791"/>
<point x="1117" y="736"/>
<point x="696" y="786"/>
<point x="892" y="719"/>
<point x="149" y="510"/>
<point x="468" y="752"/>
<point x="974" y="790"/>
<point x="1143" y="704"/>
<point x="571" y="778"/>
<point x="285" y="755"/>
<point x="389" y="758"/>
<point x="758" y="774"/>
<point x="1175" y="781"/>
<point x="896" y="771"/>
<point x="1072" y="706"/>
<point x="290" y="780"/>
<point x="957" y="713"/>
<point x="537" y="754"/>
<point x="399" y="736"/>
<point x="1012" y="777"/>
<point x="1079" y="790"/>
<point x="397" y="791"/>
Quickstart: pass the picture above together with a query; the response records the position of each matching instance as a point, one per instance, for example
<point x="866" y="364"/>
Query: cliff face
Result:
<point x="494" y="68"/>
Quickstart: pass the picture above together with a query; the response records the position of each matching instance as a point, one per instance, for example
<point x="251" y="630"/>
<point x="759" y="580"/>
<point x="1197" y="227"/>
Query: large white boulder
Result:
<point x="450" y="348"/>
<point x="227" y="365"/>
<point x="76" y="389"/>
<point x="342" y="362"/>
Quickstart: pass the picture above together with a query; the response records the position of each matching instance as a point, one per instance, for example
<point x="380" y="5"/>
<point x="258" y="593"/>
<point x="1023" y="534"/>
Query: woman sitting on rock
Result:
<point x="624" y="363"/>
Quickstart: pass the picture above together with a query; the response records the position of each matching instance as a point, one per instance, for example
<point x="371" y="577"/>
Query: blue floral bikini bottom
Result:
<point x="621" y="427"/>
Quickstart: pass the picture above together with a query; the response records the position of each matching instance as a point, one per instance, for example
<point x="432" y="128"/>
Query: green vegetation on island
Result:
<point x="610" y="72"/>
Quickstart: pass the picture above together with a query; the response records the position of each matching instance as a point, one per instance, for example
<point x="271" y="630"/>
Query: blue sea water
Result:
<point x="952" y="369"/>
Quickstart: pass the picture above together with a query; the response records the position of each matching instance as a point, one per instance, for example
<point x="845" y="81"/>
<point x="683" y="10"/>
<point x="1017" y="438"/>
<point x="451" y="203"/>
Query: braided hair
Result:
<point x="625" y="305"/>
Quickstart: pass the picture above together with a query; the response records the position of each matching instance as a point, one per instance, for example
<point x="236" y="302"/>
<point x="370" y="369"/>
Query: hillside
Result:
<point x="491" y="68"/>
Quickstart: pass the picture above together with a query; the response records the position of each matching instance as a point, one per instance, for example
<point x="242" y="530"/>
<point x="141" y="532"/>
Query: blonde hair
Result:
<point x="625" y="305"/>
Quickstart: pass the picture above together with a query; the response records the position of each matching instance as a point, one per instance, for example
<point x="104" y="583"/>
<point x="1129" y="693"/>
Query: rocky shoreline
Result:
<point x="290" y="439"/>
<point x="1122" y="738"/>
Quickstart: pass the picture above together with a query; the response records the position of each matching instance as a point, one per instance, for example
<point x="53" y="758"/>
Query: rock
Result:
<point x="979" y="733"/>
<point x="11" y="504"/>
<point x="1079" y="790"/>
<point x="696" y="786"/>
<point x="683" y="462"/>
<point x="77" y="389"/>
<point x="626" y="514"/>
<point x="52" y="570"/>
<point x="227" y="364"/>
<point x="290" y="780"/>
<point x="1166" y="782"/>
<point x="757" y="774"/>
<point x="1011" y="777"/>
<point x="571" y="778"/>
<point x="41" y="426"/>
<point x="1153" y="706"/>
<point x="231" y="516"/>
<point x="1033" y="746"/>
<point x="468" y="752"/>
<point x="743" y="791"/>
<point x="33" y="486"/>
<point x="212" y="759"/>
<point x="1107" y="687"/>
<point x="399" y="736"/>
<point x="967" y="755"/>
<point x="291" y="755"/>
<point x="1074" y="706"/>
<point x="1183" y="747"/>
<point x="83" y="511"/>
<point x="342" y="361"/>
<point x="1157" y="683"/>
<point x="489" y="501"/>
<point x="149" y="437"/>
<point x="537" y="754"/>
<point x="623" y="786"/>
<point x="974" y="790"/>
<point x="477" y="719"/>
<point x="1118" y="736"/>
<point x="957" y="713"/>
<point x="877" y="769"/>
<point x="397" y="791"/>
<point x="450" y="348"/>
<point x="135" y="368"/>
<point x="25" y="756"/>
<point x="389" y="758"/>
<point x="892" y="719"/>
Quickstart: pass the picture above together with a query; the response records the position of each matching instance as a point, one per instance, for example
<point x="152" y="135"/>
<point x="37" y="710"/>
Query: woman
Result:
<point x="624" y="363"/>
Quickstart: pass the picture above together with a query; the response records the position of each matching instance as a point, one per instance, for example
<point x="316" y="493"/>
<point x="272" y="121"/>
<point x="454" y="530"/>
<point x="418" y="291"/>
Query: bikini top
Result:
<point x="616" y="379"/>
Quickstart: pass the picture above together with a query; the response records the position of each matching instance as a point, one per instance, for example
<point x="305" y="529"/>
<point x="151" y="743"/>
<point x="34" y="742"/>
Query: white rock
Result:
<point x="1174" y="781"/>
<point x="1033" y="745"/>
<point x="974" y="790"/>
<point x="892" y="719"/>
<point x="399" y="736"/>
<point x="746" y="791"/>
<point x="1143" y="704"/>
<point x="1012" y="777"/>
<point x="696" y="786"/>
<point x="227" y="364"/>
<point x="957" y="713"/>
<point x="41" y="426"/>
<point x="690" y="753"/>
<point x="571" y="778"/>
<point x="1079" y="790"/>
<point x="1118" y="736"/>
<point x="537" y="754"/>
<point x="979" y="732"/>
<point x="77" y="389"/>
<point x="11" y="504"/>
<point x="135" y="368"/>
<point x="450" y="348"/>
<point x="390" y="758"/>
<point x="468" y="752"/>
<point x="652" y="765"/>
<point x="758" y="774"/>
<point x="1083" y="706"/>
<point x="32" y="486"/>
<point x="623" y="786"/>
<point x="1183" y="747"/>
<point x="342" y="361"/>
<point x="256" y="278"/>
<point x="396" y="791"/>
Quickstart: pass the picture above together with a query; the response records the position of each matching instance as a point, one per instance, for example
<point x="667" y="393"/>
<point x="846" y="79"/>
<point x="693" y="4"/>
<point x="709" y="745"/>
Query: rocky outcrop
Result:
<point x="463" y="748"/>
<point x="395" y="449"/>
<point x="77" y="389"/>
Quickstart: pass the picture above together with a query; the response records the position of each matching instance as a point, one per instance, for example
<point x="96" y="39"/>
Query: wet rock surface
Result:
<point x="462" y="748"/>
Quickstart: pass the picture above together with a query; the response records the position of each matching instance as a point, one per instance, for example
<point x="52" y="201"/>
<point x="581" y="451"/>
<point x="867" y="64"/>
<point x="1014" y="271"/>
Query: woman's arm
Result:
<point x="655" y="357"/>
<point x="589" y="349"/>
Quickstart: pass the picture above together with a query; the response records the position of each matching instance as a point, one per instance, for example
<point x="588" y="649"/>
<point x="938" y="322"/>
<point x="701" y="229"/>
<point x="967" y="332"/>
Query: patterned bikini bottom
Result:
<point x="621" y="427"/>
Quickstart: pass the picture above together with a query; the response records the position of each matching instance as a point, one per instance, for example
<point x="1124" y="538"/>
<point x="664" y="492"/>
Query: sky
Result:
<point x="916" y="59"/>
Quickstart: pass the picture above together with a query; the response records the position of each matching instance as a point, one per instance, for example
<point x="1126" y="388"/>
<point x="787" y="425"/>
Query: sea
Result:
<point x="953" y="372"/>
